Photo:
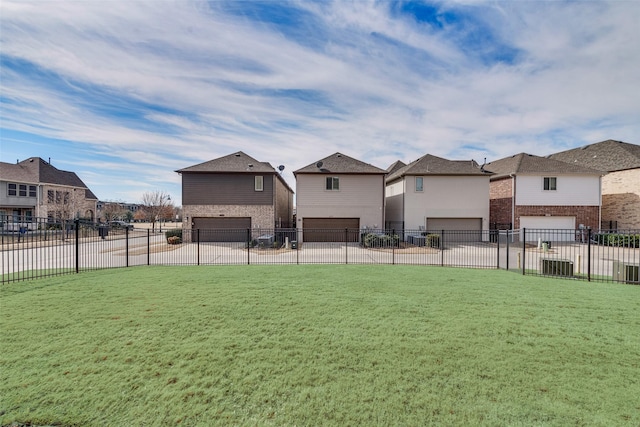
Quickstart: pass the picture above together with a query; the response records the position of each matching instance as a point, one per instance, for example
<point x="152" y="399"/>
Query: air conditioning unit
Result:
<point x="626" y="272"/>
<point x="556" y="267"/>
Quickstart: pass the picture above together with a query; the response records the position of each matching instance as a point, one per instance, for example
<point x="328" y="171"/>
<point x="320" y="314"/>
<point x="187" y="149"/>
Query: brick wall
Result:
<point x="262" y="216"/>
<point x="587" y="215"/>
<point x="500" y="202"/>
<point x="621" y="198"/>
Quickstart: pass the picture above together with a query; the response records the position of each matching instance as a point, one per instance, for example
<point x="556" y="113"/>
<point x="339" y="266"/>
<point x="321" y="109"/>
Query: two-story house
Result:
<point x="34" y="188"/>
<point x="338" y="193"/>
<point x="620" y="185"/>
<point x="433" y="193"/>
<point x="529" y="191"/>
<point x="234" y="192"/>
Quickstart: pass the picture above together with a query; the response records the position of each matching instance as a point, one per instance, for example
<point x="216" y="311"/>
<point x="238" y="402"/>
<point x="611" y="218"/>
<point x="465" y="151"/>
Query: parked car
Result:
<point x="121" y="224"/>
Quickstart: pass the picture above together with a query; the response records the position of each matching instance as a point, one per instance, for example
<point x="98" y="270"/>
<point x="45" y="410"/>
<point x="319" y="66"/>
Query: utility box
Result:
<point x="626" y="272"/>
<point x="265" y="240"/>
<point x="556" y="267"/>
<point x="294" y="244"/>
<point x="103" y="231"/>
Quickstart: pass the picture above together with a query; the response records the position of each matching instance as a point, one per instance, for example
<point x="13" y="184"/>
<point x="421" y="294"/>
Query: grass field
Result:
<point x="318" y="345"/>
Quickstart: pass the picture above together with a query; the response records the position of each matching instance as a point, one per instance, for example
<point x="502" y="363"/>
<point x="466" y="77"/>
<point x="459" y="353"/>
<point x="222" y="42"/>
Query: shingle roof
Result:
<point x="37" y="171"/>
<point x="340" y="163"/>
<point x="433" y="165"/>
<point x="607" y="156"/>
<point x="524" y="163"/>
<point x="236" y="163"/>
<point x="395" y="166"/>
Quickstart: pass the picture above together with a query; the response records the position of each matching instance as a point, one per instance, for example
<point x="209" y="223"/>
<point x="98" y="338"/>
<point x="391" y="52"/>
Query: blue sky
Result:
<point x="126" y="92"/>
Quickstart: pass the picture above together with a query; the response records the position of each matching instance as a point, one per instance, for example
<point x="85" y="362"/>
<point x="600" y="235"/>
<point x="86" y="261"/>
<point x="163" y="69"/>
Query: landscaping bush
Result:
<point x="372" y="240"/>
<point x="172" y="234"/>
<point x="433" y="240"/>
<point x="621" y="240"/>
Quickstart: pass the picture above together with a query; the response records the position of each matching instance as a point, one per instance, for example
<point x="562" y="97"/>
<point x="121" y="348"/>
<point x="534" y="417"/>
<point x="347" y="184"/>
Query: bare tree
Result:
<point x="155" y="203"/>
<point x="112" y="211"/>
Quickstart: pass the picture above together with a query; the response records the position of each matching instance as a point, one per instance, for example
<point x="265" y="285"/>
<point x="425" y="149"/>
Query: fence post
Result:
<point x="198" y="245"/>
<point x="588" y="254"/>
<point x="524" y="246"/>
<point x="508" y="236"/>
<point x="441" y="248"/>
<point x="346" y="248"/>
<point x="497" y="234"/>
<point x="248" y="246"/>
<point x="126" y="238"/>
<point x="393" y="246"/>
<point x="77" y="223"/>
<point x="148" y="247"/>
<point x="297" y="246"/>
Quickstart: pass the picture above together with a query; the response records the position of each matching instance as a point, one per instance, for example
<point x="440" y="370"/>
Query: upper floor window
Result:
<point x="333" y="183"/>
<point x="419" y="183"/>
<point x="259" y="183"/>
<point x="21" y="190"/>
<point x="50" y="196"/>
<point x="550" y="183"/>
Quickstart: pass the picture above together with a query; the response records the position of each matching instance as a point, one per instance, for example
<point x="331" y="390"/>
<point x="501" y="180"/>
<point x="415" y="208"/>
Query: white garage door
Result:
<point x="549" y="228"/>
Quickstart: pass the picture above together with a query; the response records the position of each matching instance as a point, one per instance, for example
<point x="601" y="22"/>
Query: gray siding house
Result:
<point x="234" y="192"/>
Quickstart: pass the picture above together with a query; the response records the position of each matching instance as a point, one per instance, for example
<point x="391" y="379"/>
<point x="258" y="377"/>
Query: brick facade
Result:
<point x="262" y="216"/>
<point x="621" y="198"/>
<point x="587" y="215"/>
<point x="501" y="205"/>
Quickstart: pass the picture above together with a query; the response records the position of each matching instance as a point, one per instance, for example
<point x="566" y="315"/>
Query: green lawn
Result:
<point x="318" y="345"/>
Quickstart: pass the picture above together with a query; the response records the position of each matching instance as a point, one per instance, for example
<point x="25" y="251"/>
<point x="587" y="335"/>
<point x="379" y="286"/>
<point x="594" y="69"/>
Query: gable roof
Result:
<point x="233" y="163"/>
<point x="524" y="163"/>
<point x="238" y="162"/>
<point x="37" y="171"/>
<point x="433" y="165"/>
<point x="395" y="166"/>
<point x="606" y="156"/>
<point x="340" y="163"/>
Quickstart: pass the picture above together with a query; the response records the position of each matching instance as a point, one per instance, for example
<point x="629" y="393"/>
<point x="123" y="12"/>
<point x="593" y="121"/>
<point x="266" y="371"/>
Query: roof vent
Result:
<point x="237" y="154"/>
<point x="319" y="165"/>
<point x="250" y="165"/>
<point x="339" y="155"/>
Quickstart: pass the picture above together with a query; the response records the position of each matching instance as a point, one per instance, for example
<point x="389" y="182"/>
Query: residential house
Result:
<point x="34" y="188"/>
<point x="234" y="192"/>
<point x="535" y="192"/>
<point x="621" y="184"/>
<point x="434" y="194"/>
<point x="338" y="193"/>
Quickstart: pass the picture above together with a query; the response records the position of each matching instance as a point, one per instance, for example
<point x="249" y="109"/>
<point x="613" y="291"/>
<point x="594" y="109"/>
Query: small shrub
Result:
<point x="433" y="240"/>
<point x="372" y="240"/>
<point x="620" y="240"/>
<point x="174" y="240"/>
<point x="175" y="232"/>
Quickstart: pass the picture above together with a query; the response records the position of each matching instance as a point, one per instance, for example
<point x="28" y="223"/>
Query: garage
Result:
<point x="470" y="229"/>
<point x="330" y="229"/>
<point x="557" y="228"/>
<point x="221" y="229"/>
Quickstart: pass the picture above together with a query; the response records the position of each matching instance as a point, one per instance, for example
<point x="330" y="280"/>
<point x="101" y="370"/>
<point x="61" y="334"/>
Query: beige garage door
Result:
<point x="461" y="229"/>
<point x="221" y="229"/>
<point x="330" y="229"/>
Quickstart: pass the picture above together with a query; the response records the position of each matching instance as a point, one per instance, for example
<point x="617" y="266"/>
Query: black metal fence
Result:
<point x="31" y="252"/>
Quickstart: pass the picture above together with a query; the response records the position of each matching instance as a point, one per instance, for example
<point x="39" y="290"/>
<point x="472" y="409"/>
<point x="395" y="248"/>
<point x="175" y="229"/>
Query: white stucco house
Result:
<point x="434" y="194"/>
<point x="338" y="193"/>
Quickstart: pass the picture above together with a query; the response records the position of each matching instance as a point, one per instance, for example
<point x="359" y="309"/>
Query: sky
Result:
<point x="124" y="93"/>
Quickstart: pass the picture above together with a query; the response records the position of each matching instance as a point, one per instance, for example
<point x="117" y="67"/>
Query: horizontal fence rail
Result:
<point x="46" y="249"/>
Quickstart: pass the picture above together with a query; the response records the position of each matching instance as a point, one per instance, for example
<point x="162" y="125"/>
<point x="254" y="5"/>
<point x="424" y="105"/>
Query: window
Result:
<point x="333" y="183"/>
<point x="50" y="196"/>
<point x="21" y="190"/>
<point x="419" y="183"/>
<point x="550" y="183"/>
<point x="259" y="183"/>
